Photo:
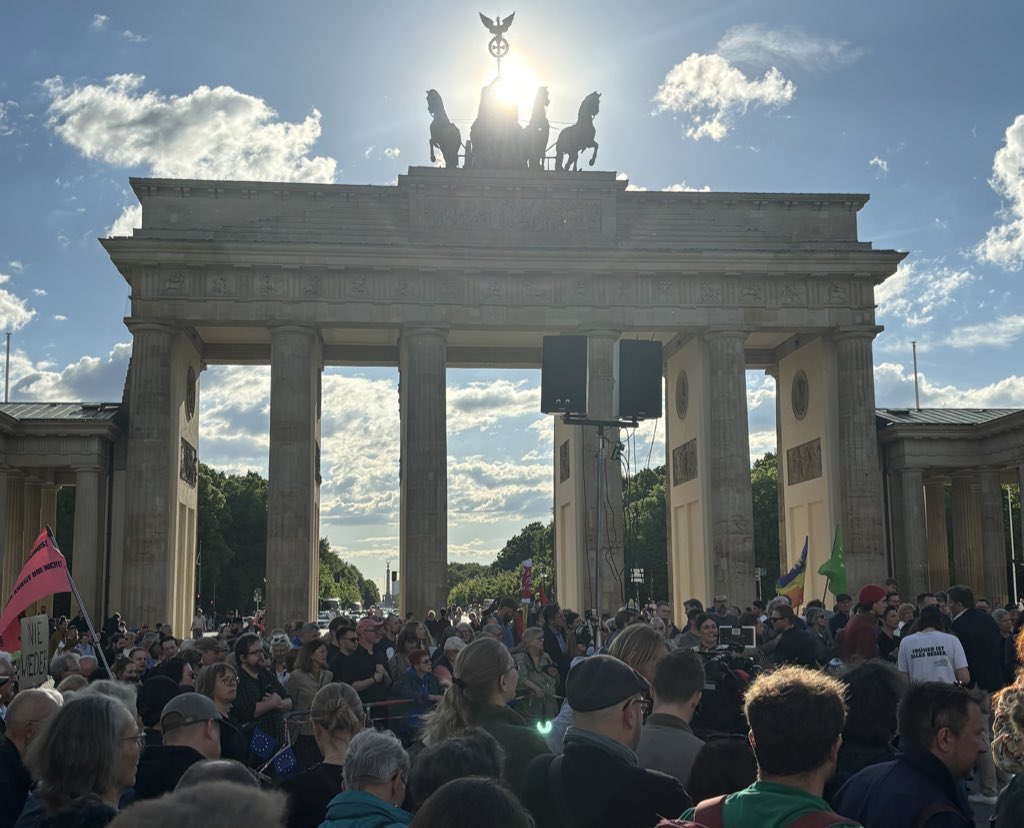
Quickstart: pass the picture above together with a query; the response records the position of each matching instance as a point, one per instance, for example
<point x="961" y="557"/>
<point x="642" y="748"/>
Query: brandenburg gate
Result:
<point x="472" y="268"/>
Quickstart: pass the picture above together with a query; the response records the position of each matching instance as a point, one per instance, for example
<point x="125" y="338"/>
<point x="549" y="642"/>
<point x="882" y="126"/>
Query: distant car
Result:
<point x="323" y="620"/>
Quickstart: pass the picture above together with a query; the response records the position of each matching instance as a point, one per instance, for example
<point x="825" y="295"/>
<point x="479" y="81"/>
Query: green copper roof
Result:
<point x="942" y="416"/>
<point x="96" y="412"/>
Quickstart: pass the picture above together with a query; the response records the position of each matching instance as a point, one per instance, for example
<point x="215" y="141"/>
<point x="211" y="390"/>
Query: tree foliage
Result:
<point x="645" y="544"/>
<point x="484" y="588"/>
<point x="233" y="547"/>
<point x="339" y="579"/>
<point x="765" y="490"/>
<point x="459" y="572"/>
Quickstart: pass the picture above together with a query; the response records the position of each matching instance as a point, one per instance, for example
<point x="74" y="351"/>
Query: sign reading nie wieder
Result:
<point x="35" y="637"/>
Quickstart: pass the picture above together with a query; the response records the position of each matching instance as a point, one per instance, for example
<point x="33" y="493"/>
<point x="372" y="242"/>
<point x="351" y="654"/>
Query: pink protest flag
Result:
<point x="45" y="573"/>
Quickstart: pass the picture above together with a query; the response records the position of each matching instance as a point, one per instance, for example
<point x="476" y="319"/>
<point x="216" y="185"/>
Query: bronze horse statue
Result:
<point x="574" y="139"/>
<point x="537" y="131"/>
<point x="444" y="135"/>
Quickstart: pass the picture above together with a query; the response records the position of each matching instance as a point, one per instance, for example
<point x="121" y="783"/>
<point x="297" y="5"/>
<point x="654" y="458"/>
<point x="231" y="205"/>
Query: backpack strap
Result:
<point x="709" y="812"/>
<point x="821" y="819"/>
<point x="941" y="807"/>
<point x="557" y="788"/>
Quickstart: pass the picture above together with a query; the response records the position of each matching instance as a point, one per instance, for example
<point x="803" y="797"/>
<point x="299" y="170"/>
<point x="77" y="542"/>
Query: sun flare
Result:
<point x="518" y="84"/>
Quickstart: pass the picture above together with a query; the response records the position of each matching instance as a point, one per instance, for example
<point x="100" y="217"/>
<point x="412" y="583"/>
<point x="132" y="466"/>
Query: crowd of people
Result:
<point x="873" y="712"/>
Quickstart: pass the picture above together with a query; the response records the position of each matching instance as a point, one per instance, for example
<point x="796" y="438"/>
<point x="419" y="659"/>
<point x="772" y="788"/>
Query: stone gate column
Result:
<point x="32" y="527"/>
<point x="14" y="554"/>
<point x="966" y="545"/>
<point x="48" y="505"/>
<point x="912" y="538"/>
<point x="4" y="512"/>
<point x="938" y="543"/>
<point x="160" y="477"/>
<point x="860" y="476"/>
<point x="993" y="540"/>
<point x="149" y="469"/>
<point x="87" y="568"/>
<point x="293" y="492"/>
<point x="730" y="506"/>
<point x="423" y="552"/>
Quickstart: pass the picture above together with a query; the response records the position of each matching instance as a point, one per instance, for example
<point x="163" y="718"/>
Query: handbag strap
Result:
<point x="557" y="788"/>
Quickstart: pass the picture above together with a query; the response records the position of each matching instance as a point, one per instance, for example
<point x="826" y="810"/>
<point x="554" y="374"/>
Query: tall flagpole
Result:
<point x="85" y="611"/>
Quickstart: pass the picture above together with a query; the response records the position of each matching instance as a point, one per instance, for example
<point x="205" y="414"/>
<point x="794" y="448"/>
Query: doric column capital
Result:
<point x="713" y="334"/>
<point x="845" y="334"/>
<point x="142" y="326"/>
<point x="426" y="329"/>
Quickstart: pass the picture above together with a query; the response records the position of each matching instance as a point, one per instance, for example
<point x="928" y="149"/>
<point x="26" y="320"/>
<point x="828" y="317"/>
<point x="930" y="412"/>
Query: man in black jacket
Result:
<point x="983" y="646"/>
<point x="26" y="716"/>
<point x="597" y="781"/>
<point x="941" y="736"/>
<point x="795" y="646"/>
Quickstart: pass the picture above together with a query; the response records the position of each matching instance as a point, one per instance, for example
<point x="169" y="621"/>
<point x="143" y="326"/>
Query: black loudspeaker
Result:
<point x="638" y="379"/>
<point x="563" y="375"/>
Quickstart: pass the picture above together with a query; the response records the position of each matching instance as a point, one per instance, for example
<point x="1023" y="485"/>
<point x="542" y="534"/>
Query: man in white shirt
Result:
<point x="932" y="655"/>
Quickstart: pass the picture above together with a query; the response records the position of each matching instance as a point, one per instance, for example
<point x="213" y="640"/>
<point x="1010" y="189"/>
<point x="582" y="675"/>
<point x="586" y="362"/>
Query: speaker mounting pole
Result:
<point x="602" y="467"/>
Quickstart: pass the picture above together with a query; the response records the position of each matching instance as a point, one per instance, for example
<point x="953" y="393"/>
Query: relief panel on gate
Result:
<point x="803" y="462"/>
<point x="684" y="462"/>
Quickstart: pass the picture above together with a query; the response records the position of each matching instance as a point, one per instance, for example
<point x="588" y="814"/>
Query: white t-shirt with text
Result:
<point x="931" y="656"/>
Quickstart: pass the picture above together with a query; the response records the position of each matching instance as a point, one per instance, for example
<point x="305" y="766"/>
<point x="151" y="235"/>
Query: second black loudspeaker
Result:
<point x="638" y="379"/>
<point x="563" y="375"/>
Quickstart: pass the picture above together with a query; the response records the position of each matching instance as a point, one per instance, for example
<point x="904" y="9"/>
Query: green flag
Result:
<point x="835" y="567"/>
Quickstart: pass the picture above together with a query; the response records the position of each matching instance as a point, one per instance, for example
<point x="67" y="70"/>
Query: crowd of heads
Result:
<point x="82" y="739"/>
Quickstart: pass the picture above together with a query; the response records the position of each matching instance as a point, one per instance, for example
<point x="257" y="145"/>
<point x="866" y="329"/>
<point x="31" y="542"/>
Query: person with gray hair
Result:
<point x="376" y="768"/>
<point x="64" y="665"/>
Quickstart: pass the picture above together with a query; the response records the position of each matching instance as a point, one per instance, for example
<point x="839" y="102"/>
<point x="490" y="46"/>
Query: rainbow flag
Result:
<point x="792" y="583"/>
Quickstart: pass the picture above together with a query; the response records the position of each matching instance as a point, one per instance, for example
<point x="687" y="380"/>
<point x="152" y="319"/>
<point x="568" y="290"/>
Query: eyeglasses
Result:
<point x="643" y="704"/>
<point x="230" y="681"/>
<point x="348" y="638"/>
<point x="139" y="737"/>
<point x="777" y="618"/>
<point x="255" y="652"/>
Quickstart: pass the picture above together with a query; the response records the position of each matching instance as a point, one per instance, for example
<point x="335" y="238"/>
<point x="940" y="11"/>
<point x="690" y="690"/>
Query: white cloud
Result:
<point x="215" y="133"/>
<point x="6" y="127"/>
<point x="99" y="21"/>
<point x="39" y="291"/>
<point x="713" y="92"/>
<point x="16" y="266"/>
<point x="100" y="379"/>
<point x="131" y="37"/>
<point x="368" y="152"/>
<point x="881" y="163"/>
<point x="754" y="43"/>
<point x="59" y="317"/>
<point x="14" y="313"/>
<point x="1004" y="243"/>
<point x="918" y="288"/>
<point x="683" y="187"/>
<point x="124" y="224"/>
<point x="392" y="152"/>
<point x="999" y="333"/>
<point x="894" y="387"/>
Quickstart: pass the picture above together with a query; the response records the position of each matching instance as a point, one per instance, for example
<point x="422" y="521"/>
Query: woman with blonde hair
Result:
<point x="484" y="682"/>
<point x="335" y="717"/>
<point x="641" y="647"/>
<point x="86" y="755"/>
<point x="308" y="677"/>
<point x="538" y="679"/>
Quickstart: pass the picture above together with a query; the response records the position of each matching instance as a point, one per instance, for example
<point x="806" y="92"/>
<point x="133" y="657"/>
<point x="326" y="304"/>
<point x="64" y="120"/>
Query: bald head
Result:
<point x="26" y="714"/>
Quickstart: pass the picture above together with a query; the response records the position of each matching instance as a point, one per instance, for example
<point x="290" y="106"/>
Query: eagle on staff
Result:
<point x="498" y="47"/>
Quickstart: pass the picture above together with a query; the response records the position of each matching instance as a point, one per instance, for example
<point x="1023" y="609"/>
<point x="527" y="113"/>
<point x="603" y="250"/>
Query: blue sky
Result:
<point x="916" y="103"/>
